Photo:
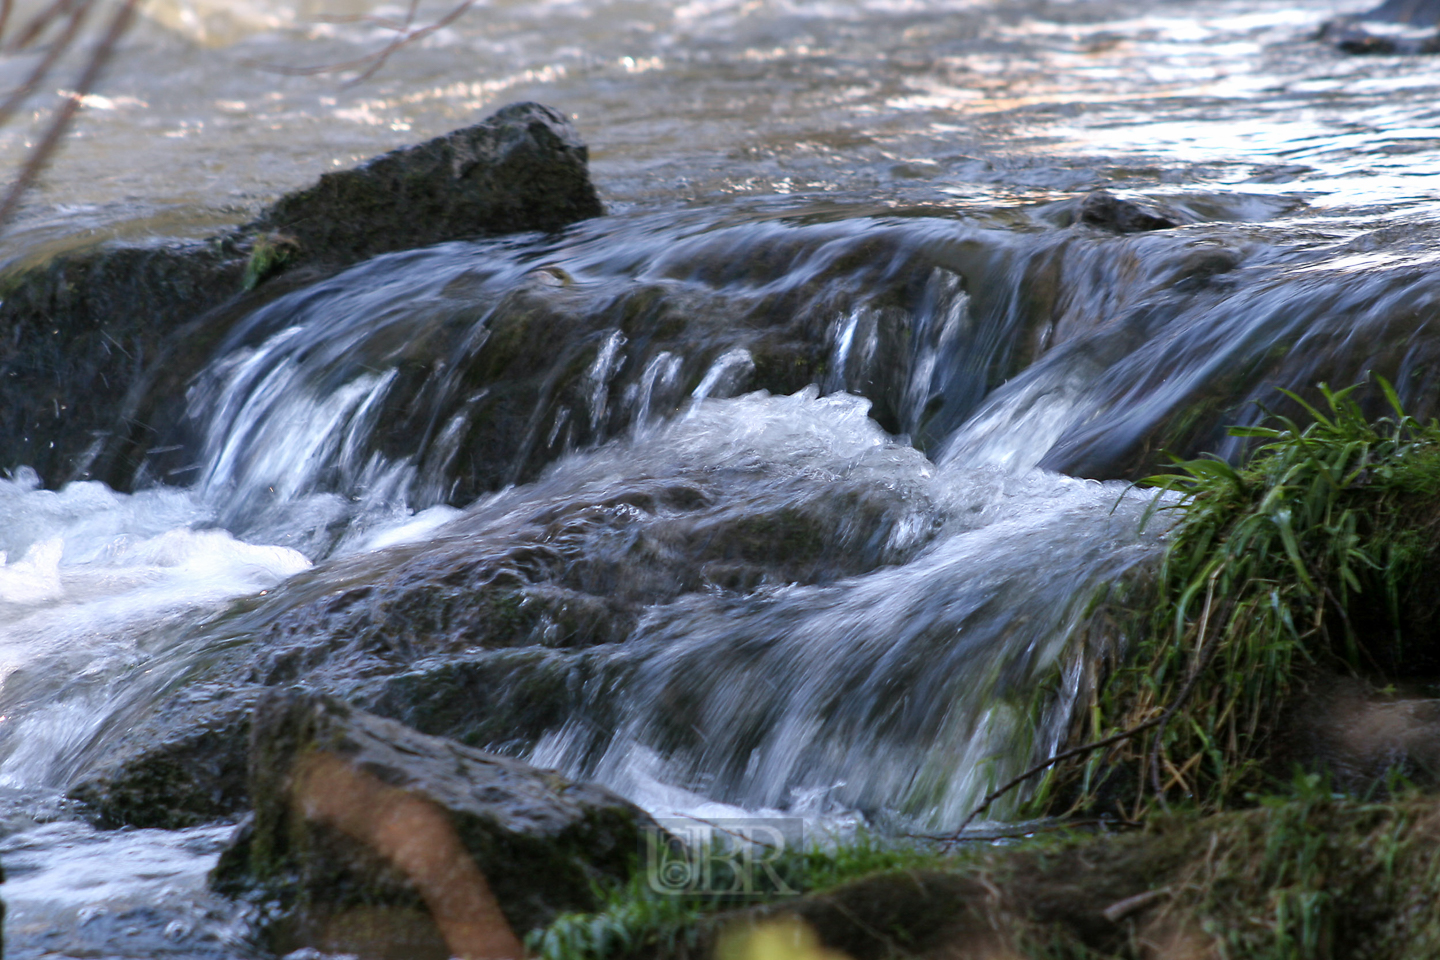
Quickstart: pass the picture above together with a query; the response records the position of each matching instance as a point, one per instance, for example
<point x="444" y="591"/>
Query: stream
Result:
<point x="796" y="485"/>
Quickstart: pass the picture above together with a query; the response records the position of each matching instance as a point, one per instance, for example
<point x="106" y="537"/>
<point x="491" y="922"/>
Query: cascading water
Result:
<point x="802" y="499"/>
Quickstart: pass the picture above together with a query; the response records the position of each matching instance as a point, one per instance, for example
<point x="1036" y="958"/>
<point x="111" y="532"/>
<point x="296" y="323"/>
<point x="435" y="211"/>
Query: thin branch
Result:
<point x="1020" y="833"/>
<point x="1160" y="721"/>
<point x="43" y="68"/>
<point x="371" y="64"/>
<point x="42" y="21"/>
<point x="1044" y="765"/>
<point x="45" y="149"/>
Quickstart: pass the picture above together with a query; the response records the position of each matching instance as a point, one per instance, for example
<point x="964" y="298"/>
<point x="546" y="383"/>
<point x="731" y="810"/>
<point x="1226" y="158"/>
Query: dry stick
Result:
<point x="1044" y="765"/>
<point x="6" y="6"/>
<point x="41" y="22"/>
<point x="1087" y="748"/>
<point x="43" y="151"/>
<point x="43" y="68"/>
<point x="375" y="61"/>
<point x="1027" y="831"/>
<point x="410" y="36"/>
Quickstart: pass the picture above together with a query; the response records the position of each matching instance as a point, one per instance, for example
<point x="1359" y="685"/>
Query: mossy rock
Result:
<point x="95" y="344"/>
<point x="1305" y="876"/>
<point x="542" y="843"/>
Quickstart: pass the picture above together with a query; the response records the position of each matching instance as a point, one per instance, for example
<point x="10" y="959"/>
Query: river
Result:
<point x="841" y="598"/>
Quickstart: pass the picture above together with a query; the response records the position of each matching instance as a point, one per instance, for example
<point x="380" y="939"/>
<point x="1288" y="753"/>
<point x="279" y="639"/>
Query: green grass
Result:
<point x="269" y="254"/>
<point x="1310" y="559"/>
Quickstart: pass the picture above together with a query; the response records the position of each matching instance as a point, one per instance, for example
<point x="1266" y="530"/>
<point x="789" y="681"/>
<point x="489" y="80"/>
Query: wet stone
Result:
<point x="1394" y="27"/>
<point x="1105" y="211"/>
<point x="86" y="337"/>
<point x="331" y="871"/>
<point x="482" y="634"/>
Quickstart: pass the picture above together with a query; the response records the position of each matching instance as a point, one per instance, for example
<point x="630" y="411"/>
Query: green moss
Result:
<point x="1306" y="875"/>
<point x="269" y="254"/>
<point x="637" y="921"/>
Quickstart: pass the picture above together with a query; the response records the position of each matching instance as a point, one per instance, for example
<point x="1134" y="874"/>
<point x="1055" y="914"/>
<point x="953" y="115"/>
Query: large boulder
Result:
<point x="370" y="837"/>
<point x="91" y="337"/>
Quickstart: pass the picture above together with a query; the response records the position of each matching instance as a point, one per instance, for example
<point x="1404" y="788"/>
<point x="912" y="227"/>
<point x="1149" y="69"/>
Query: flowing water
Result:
<point x="793" y="485"/>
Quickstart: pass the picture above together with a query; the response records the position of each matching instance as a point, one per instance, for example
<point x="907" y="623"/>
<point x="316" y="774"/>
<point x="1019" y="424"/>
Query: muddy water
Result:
<point x="836" y="597"/>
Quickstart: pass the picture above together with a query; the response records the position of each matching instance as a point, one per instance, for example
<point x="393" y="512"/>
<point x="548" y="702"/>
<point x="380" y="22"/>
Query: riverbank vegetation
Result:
<point x="1299" y="584"/>
<point x="1266" y="744"/>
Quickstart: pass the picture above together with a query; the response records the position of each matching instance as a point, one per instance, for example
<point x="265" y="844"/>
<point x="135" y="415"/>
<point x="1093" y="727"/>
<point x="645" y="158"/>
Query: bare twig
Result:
<point x="1019" y="833"/>
<point x="42" y="70"/>
<point x="370" y="64"/>
<point x="1044" y="765"/>
<point x="1207" y="653"/>
<point x="42" y="21"/>
<point x="45" y="149"/>
<point x="1123" y="908"/>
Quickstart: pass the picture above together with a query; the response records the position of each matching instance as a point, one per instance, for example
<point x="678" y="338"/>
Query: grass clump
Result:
<point x="1308" y="874"/>
<point x="1310" y="560"/>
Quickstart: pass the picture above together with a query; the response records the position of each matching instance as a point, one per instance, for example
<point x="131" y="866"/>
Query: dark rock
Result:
<point x="1356" y="38"/>
<point x="481" y="635"/>
<point x="189" y="774"/>
<point x="85" y="337"/>
<point x="78" y="333"/>
<point x="1404" y="31"/>
<point x="523" y="169"/>
<point x="542" y="843"/>
<point x="1105" y="211"/>
<point x="1416" y="13"/>
<point x="1360" y="736"/>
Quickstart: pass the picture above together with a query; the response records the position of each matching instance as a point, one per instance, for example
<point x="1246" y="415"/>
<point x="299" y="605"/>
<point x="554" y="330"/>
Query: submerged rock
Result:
<point x="1396" y="26"/>
<point x="367" y="835"/>
<point x="187" y="773"/>
<point x="485" y="633"/>
<point x="1417" y="13"/>
<point x="1105" y="211"/>
<point x="85" y="336"/>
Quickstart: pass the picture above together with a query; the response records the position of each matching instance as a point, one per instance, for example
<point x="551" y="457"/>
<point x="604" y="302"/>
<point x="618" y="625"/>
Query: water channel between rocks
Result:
<point x="796" y="485"/>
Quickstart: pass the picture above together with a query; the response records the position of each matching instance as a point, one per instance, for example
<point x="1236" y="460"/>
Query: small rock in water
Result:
<point x="1396" y="26"/>
<point x="1105" y="211"/>
<point x="1416" y="13"/>
<point x="377" y="838"/>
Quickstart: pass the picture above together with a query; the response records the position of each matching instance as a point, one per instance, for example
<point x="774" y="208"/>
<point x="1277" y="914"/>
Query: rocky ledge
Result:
<point x="91" y="339"/>
<point x="1395" y="27"/>
<point x="371" y="838"/>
